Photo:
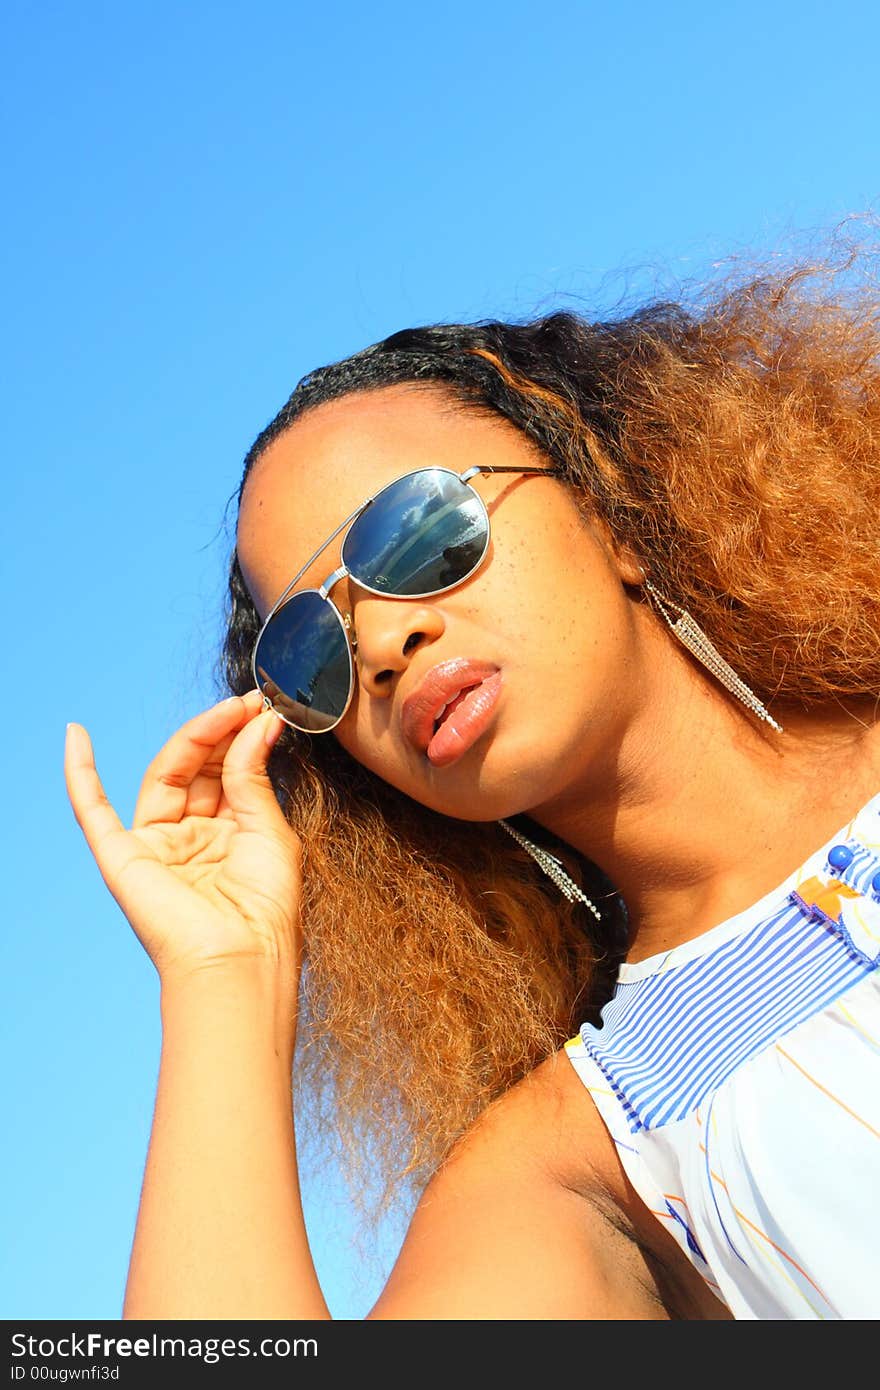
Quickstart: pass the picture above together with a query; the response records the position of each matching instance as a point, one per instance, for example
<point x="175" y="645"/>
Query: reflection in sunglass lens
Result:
<point x="423" y="534"/>
<point x="303" y="662"/>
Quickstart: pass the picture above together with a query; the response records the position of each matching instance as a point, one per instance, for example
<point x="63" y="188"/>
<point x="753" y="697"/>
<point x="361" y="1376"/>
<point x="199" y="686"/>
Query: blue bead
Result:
<point x="840" y="857"/>
<point x="875" y="883"/>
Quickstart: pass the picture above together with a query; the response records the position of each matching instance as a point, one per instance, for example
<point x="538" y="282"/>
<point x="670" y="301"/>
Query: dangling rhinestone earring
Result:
<point x="553" y="869"/>
<point x="692" y="636"/>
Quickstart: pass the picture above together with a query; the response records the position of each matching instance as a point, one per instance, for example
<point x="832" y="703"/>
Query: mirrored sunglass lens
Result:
<point x="303" y="662"/>
<point x="424" y="533"/>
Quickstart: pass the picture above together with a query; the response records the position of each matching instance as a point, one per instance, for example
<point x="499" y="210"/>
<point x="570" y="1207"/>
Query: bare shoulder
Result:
<point x="531" y="1217"/>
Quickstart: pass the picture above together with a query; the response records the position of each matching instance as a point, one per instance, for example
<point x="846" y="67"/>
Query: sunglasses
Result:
<point x="421" y="535"/>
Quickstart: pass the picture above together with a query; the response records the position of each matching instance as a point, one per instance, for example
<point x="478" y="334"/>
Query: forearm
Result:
<point x="220" y="1230"/>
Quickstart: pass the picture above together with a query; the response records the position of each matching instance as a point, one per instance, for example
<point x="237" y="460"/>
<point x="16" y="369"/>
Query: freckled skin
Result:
<point x="548" y="605"/>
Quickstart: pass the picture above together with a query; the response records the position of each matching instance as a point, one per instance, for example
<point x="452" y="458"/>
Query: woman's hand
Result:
<point x="210" y="871"/>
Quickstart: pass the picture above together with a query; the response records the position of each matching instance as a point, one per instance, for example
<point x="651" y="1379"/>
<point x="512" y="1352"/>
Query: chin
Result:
<point x="487" y="793"/>
<point x="491" y="782"/>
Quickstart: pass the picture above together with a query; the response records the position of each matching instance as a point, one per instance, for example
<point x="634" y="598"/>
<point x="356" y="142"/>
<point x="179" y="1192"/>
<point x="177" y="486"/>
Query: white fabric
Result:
<point x="739" y="1076"/>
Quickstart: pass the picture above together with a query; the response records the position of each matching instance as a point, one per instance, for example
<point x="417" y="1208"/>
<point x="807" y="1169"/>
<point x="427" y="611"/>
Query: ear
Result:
<point x="630" y="568"/>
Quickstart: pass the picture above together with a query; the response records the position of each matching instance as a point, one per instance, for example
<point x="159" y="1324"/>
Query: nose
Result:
<point x="389" y="632"/>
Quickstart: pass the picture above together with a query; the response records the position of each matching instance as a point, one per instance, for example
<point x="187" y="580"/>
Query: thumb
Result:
<point x="246" y="782"/>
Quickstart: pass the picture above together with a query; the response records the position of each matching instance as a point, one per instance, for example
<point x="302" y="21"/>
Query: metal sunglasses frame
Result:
<point x="342" y="572"/>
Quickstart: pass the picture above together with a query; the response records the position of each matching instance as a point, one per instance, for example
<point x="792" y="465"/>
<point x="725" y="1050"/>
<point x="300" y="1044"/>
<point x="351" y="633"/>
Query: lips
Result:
<point x="462" y="694"/>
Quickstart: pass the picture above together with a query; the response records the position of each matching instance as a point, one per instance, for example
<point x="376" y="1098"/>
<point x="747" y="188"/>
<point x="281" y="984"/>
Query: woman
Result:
<point x="572" y="630"/>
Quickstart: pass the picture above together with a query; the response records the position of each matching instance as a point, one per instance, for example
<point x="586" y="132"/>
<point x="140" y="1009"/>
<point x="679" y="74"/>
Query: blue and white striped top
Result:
<point x="739" y="1077"/>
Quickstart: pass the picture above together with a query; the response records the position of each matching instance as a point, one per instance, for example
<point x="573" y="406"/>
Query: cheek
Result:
<point x="365" y="734"/>
<point x="380" y="755"/>
<point x="541" y="605"/>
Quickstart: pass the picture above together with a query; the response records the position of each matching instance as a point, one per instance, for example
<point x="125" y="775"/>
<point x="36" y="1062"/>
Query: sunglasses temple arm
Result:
<point x="503" y="468"/>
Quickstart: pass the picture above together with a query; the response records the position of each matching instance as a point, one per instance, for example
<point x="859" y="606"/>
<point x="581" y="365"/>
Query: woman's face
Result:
<point x="542" y="636"/>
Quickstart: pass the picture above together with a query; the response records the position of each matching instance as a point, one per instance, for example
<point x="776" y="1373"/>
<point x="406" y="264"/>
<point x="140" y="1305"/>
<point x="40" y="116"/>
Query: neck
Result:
<point x="709" y="812"/>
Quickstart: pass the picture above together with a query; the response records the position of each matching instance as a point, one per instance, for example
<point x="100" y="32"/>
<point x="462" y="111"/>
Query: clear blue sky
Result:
<point x="203" y="201"/>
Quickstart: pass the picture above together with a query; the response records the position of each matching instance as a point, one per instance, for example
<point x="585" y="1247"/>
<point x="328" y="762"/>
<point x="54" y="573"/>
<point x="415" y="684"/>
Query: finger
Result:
<point x="189" y="753"/>
<point x="205" y="793"/>
<point x="130" y="867"/>
<point x="246" y="785"/>
<point x="91" y="806"/>
<point x="111" y="844"/>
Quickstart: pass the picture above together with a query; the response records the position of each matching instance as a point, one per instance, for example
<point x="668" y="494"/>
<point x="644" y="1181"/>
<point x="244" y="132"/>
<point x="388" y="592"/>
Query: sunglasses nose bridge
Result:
<point x="332" y="580"/>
